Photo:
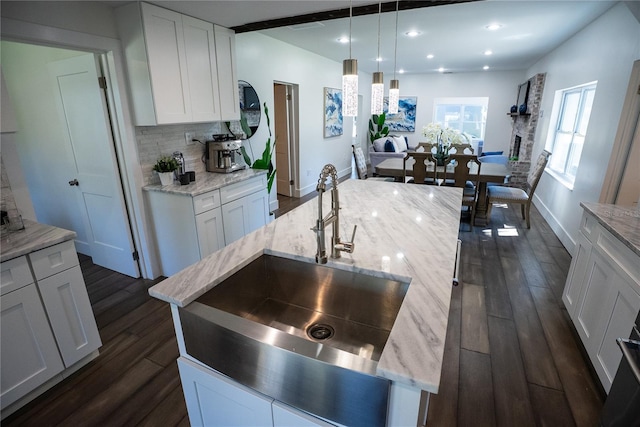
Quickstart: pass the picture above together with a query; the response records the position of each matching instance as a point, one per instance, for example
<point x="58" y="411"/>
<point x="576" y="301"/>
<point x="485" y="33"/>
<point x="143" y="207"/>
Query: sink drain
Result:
<point x="320" y="331"/>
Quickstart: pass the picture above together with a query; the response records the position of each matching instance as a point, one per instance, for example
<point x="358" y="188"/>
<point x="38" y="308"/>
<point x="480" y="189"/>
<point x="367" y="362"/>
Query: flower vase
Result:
<point x="166" y="178"/>
<point x="441" y="155"/>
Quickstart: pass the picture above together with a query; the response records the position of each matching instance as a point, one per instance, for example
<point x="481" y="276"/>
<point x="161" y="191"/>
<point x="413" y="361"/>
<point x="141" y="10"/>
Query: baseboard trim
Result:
<point x="565" y="238"/>
<point x="312" y="187"/>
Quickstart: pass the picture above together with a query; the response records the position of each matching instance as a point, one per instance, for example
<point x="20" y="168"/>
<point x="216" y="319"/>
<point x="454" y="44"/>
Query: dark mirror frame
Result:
<point x="250" y="105"/>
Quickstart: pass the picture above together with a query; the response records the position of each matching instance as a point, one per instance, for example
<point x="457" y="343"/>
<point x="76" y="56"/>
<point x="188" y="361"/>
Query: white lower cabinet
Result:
<point x="47" y="321"/>
<point x="188" y="228"/>
<point x="245" y="215"/>
<point x="69" y="309"/>
<point x="29" y="353"/>
<point x="215" y="400"/>
<point x="602" y="296"/>
<point x="210" y="232"/>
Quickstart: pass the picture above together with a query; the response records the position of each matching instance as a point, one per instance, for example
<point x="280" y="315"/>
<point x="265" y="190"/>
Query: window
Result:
<point x="468" y="115"/>
<point x="567" y="138"/>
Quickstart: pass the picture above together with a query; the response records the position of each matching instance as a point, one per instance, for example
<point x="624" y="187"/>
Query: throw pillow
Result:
<point x="400" y="143"/>
<point x="378" y="145"/>
<point x="389" y="147"/>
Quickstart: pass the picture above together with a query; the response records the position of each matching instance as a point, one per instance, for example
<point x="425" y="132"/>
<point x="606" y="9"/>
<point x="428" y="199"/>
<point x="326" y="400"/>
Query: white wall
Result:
<point x="262" y="61"/>
<point x="603" y="51"/>
<point x="85" y="17"/>
<point x="500" y="87"/>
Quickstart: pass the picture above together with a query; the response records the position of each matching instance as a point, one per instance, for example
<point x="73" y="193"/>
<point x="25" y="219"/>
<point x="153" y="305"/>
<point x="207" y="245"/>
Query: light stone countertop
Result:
<point x="622" y="222"/>
<point x="205" y="182"/>
<point x="416" y="226"/>
<point x="35" y="236"/>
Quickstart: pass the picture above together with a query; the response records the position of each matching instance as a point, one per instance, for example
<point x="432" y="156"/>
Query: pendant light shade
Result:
<point x="394" y="85"/>
<point x="394" y="96"/>
<point x="350" y="87"/>
<point x="377" y="87"/>
<point x="350" y="80"/>
<point x="377" y="93"/>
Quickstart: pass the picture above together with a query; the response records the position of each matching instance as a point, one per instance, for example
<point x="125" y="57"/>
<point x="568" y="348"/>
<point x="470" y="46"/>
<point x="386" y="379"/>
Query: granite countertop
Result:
<point x="35" y="236"/>
<point x="622" y="222"/>
<point x="206" y="181"/>
<point x="416" y="226"/>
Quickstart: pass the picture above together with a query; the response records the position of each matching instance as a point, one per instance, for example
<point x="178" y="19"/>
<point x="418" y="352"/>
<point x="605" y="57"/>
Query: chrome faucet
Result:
<point x="332" y="218"/>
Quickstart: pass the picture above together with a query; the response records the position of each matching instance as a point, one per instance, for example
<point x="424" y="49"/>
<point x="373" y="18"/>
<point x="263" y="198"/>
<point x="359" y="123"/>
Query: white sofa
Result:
<point x="377" y="152"/>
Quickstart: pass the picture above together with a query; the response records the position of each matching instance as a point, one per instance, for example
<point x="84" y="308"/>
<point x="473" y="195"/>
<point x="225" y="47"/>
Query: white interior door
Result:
<point x="92" y="170"/>
<point x="281" y="121"/>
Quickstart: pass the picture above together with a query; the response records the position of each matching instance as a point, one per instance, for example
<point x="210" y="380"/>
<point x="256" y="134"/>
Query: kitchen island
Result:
<point x="406" y="233"/>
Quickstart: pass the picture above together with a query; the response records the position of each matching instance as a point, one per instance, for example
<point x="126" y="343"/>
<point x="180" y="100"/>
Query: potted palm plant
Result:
<point x="165" y="167"/>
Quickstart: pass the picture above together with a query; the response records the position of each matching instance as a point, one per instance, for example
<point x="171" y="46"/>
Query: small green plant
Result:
<point x="377" y="129"/>
<point x="264" y="162"/>
<point x="165" y="164"/>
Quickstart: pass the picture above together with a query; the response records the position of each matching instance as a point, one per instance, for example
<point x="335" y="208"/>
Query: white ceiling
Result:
<point x="454" y="34"/>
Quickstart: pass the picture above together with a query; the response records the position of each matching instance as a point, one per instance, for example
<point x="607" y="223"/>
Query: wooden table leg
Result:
<point x="481" y="204"/>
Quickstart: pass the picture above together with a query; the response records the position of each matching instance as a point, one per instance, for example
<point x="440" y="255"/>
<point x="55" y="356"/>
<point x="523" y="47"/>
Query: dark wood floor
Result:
<point x="511" y="359"/>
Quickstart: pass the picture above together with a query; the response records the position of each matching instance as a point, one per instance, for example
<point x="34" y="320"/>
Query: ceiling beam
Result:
<point x="343" y="13"/>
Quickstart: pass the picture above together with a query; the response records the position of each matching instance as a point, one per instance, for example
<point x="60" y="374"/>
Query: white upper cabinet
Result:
<point x="173" y="63"/>
<point x="227" y="74"/>
<point x="202" y="70"/>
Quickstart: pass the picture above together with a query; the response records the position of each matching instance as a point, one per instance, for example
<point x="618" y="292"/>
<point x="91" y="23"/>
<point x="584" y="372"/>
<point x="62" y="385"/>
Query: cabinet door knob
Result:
<point x="74" y="182"/>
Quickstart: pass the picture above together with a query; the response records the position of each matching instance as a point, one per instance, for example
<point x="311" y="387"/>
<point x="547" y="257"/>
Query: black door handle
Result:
<point x="74" y="182"/>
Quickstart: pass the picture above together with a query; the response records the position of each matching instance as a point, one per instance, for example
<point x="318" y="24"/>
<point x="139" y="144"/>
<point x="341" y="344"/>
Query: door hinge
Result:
<point x="638" y="89"/>
<point x="291" y="182"/>
<point x="102" y="82"/>
<point x="289" y="97"/>
<point x="135" y="255"/>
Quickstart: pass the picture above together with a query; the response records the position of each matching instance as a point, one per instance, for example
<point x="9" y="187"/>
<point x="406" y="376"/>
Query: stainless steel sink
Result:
<point x="305" y="334"/>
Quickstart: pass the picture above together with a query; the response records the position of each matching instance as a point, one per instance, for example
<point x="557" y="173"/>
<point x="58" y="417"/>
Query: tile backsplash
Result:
<point x="159" y="141"/>
<point x="7" y="201"/>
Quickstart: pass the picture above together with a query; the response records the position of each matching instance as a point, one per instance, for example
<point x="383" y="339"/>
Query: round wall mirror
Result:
<point x="249" y="104"/>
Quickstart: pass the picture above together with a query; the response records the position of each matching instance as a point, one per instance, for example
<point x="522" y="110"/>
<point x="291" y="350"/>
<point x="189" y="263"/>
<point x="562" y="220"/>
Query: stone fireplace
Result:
<point x="523" y="133"/>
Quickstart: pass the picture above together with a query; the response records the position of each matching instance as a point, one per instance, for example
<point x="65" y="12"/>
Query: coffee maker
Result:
<point x="223" y="155"/>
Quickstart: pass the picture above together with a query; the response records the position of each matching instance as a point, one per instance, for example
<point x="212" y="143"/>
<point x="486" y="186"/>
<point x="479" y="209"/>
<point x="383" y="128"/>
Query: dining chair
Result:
<point x="502" y="194"/>
<point x="361" y="165"/>
<point x="462" y="149"/>
<point x="420" y="168"/>
<point x="463" y="174"/>
<point x="427" y="147"/>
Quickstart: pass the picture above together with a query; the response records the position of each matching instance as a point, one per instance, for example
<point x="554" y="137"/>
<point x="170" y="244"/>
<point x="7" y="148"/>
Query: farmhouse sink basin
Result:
<point x="305" y="334"/>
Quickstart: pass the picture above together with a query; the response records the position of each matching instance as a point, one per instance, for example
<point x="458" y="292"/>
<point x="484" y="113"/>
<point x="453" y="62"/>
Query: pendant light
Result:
<point x="377" y="87"/>
<point x="394" y="85"/>
<point x="350" y="79"/>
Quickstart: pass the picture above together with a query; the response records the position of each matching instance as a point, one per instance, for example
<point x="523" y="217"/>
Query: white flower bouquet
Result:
<point x="444" y="137"/>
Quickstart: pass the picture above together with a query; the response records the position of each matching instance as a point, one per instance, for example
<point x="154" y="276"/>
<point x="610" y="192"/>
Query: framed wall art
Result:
<point x="405" y="120"/>
<point x="332" y="112"/>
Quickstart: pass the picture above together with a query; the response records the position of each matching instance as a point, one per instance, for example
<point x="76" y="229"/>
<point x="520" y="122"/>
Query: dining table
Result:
<point x="489" y="172"/>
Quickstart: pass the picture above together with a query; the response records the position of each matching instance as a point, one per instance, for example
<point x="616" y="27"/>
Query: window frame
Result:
<point x="462" y="102"/>
<point x="564" y="174"/>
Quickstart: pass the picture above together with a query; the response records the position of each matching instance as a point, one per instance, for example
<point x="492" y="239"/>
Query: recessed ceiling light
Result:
<point x="430" y="56"/>
<point x="488" y="52"/>
<point x="343" y="39"/>
<point x="493" y="27"/>
<point x="441" y="69"/>
<point x="486" y="67"/>
<point x="412" y="33"/>
<point x="401" y="71"/>
<point x="379" y="59"/>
